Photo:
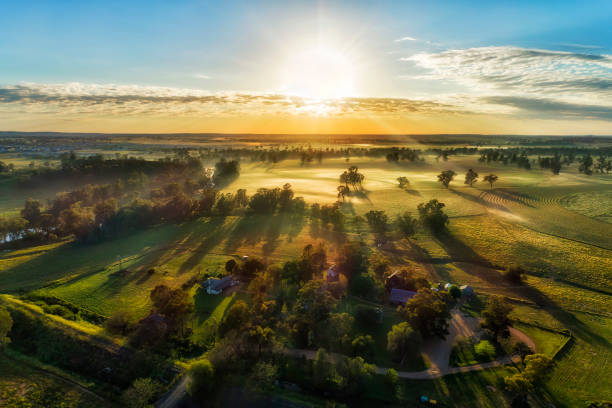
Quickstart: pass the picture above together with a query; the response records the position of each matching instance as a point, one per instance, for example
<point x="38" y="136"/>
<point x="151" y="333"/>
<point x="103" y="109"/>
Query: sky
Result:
<point x="503" y="67"/>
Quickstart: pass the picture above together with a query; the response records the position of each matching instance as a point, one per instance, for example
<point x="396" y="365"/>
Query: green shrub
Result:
<point x="485" y="349"/>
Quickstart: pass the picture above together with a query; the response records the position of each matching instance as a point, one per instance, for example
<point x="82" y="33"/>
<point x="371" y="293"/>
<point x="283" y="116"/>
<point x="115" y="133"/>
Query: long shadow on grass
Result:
<point x="254" y="228"/>
<point x="568" y="319"/>
<point x="460" y="251"/>
<point x="411" y="191"/>
<point x="479" y="200"/>
<point x="215" y="233"/>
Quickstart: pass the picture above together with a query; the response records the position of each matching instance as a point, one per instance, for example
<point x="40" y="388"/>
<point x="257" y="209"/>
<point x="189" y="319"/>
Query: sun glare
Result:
<point x="319" y="72"/>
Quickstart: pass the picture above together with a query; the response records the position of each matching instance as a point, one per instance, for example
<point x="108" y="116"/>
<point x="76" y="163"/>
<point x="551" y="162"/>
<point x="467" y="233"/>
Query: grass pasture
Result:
<point x="557" y="227"/>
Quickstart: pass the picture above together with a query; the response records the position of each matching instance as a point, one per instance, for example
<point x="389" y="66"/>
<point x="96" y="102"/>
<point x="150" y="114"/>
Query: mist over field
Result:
<point x="306" y="204"/>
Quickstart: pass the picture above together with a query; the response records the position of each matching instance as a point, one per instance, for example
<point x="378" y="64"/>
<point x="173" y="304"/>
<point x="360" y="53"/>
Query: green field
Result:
<point x="556" y="227"/>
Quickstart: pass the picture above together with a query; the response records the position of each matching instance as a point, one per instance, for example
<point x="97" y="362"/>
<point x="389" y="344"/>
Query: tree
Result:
<point x="119" y="323"/>
<point x="314" y="301"/>
<point x="352" y="259"/>
<point x="378" y="221"/>
<point x="515" y="275"/>
<point x="406" y="224"/>
<point x="343" y="191"/>
<point x="6" y="323"/>
<point x="496" y="316"/>
<point x="522" y="350"/>
<point x="230" y="266"/>
<point x="403" y="341"/>
<point x="262" y="337"/>
<point x="173" y="304"/>
<point x="471" y="177"/>
<point x="432" y="215"/>
<point x="355" y="374"/>
<point x="363" y="346"/>
<point x="403" y="182"/>
<point x="235" y="318"/>
<point x="446" y="177"/>
<point x="586" y="164"/>
<point x="285" y="197"/>
<point x="428" y="313"/>
<point x="352" y="177"/>
<point x="454" y="291"/>
<point x="484" y="348"/>
<point x="537" y="367"/>
<point x="31" y="212"/>
<point x="335" y="332"/>
<point x="141" y="393"/>
<point x="202" y="376"/>
<point x="491" y="179"/>
<point x="520" y="385"/>
<point x="77" y="220"/>
<point x="252" y="267"/>
<point x="323" y="371"/>
<point x="103" y="211"/>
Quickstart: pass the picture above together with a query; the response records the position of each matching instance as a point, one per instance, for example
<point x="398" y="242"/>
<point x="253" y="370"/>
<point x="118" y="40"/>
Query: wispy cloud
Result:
<point x="525" y="82"/>
<point x="202" y="76"/>
<point x="140" y="100"/>
<point x="548" y="108"/>
<point x="405" y="39"/>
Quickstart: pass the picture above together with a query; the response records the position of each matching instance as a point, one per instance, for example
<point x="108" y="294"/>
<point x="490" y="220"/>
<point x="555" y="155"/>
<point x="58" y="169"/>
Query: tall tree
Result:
<point x="471" y="177"/>
<point x="428" y="313"/>
<point x="491" y="179"/>
<point x="403" y="341"/>
<point x="446" y="177"/>
<point x="496" y="316"/>
<point x="406" y="224"/>
<point x="432" y="215"/>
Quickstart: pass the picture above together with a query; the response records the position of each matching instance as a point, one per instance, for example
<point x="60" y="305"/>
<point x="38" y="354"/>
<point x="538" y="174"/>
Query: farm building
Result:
<point x="216" y="286"/>
<point x="466" y="290"/>
<point x="400" y="296"/>
<point x="394" y="280"/>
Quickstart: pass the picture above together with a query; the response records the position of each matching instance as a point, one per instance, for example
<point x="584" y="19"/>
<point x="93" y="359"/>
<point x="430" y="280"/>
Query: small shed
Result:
<point x="394" y="280"/>
<point x="400" y="296"/>
<point x="216" y="286"/>
<point x="466" y="290"/>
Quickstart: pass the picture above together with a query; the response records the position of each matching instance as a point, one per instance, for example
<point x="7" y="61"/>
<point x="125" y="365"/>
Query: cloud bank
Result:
<point x="131" y="100"/>
<point x="510" y="82"/>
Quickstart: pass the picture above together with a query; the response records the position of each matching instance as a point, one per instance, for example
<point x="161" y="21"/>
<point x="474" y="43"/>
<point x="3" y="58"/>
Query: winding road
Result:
<point x="437" y="351"/>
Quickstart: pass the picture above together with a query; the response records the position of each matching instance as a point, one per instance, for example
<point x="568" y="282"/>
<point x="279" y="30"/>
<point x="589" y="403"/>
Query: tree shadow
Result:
<point x="411" y="191"/>
<point x="479" y="200"/>
<point x="253" y="229"/>
<point x="459" y="251"/>
<point x="362" y="195"/>
<point x="215" y="234"/>
<point x="568" y="319"/>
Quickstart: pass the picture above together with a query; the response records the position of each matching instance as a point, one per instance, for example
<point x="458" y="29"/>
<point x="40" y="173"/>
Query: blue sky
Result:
<point x="472" y="58"/>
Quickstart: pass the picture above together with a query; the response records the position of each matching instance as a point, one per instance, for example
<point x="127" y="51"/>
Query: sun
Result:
<point x="319" y="72"/>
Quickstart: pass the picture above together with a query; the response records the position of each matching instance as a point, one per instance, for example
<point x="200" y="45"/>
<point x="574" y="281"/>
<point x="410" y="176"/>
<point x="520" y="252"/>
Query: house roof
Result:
<point x="401" y="295"/>
<point x="466" y="289"/>
<point x="220" y="284"/>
